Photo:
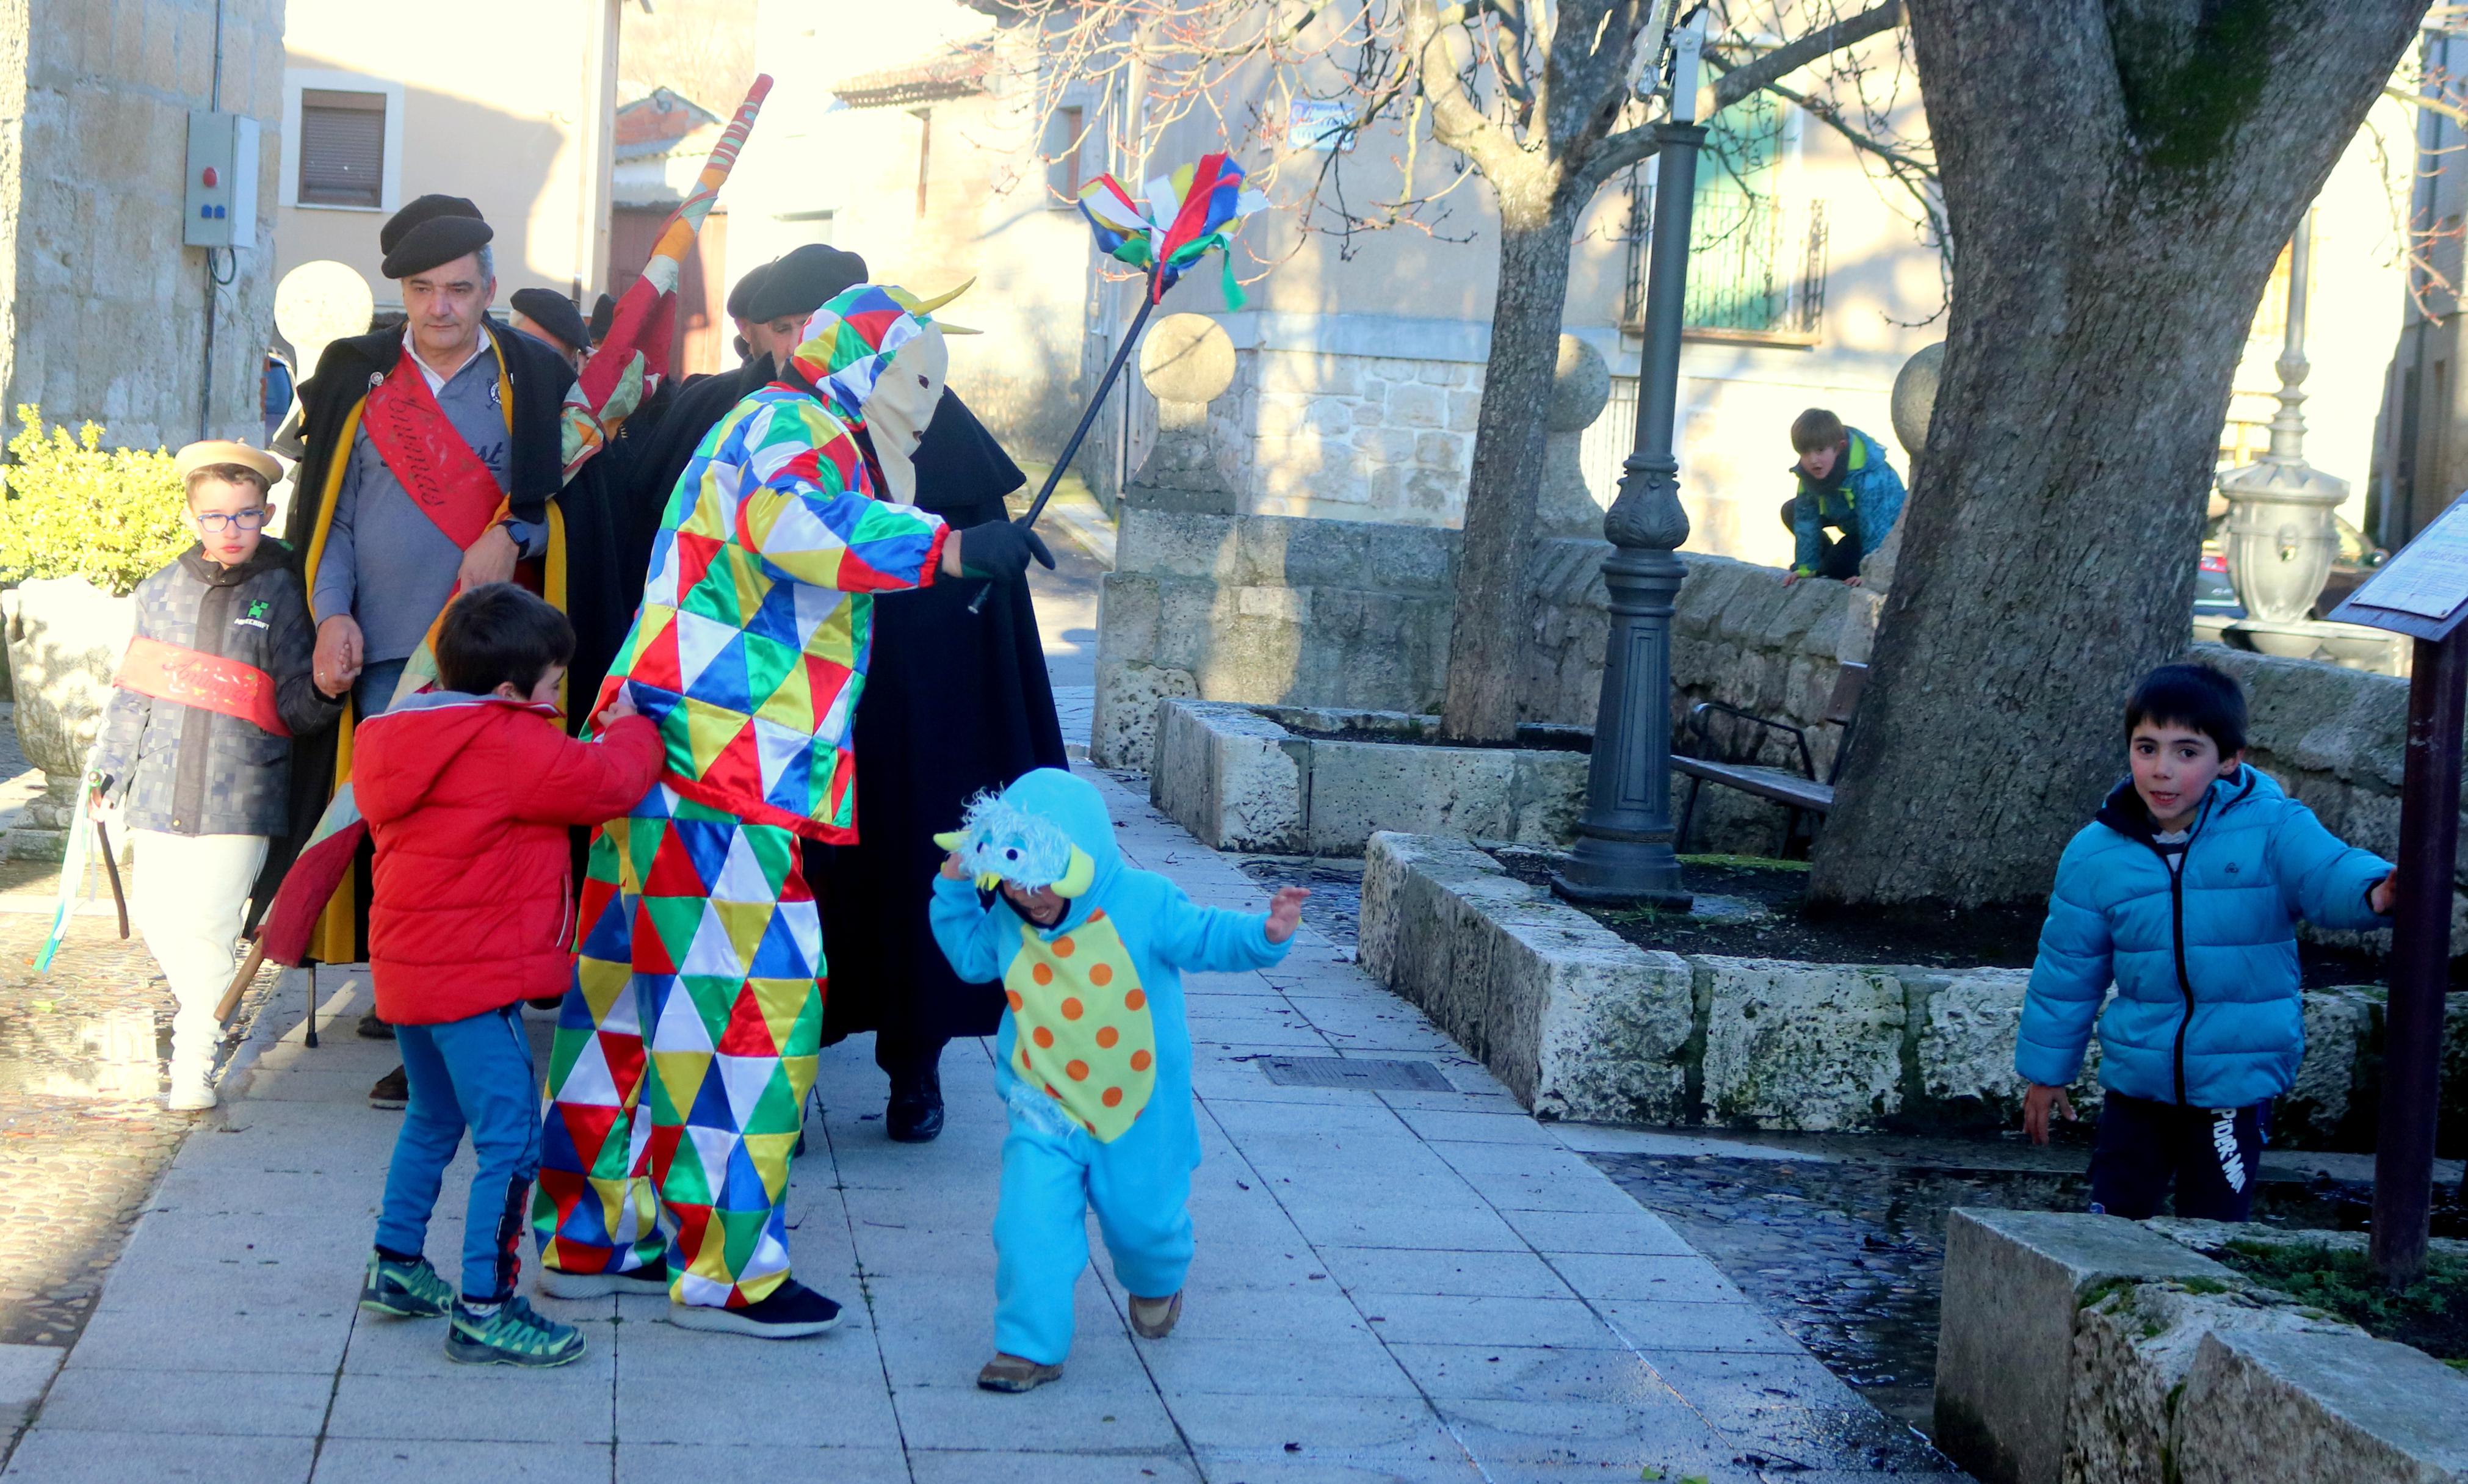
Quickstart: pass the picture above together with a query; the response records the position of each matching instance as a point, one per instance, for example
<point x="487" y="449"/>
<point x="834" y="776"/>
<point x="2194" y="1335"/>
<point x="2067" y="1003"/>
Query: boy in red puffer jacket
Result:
<point x="468" y="790"/>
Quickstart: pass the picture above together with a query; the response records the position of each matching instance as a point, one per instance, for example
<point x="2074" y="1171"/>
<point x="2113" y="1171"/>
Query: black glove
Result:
<point x="999" y="551"/>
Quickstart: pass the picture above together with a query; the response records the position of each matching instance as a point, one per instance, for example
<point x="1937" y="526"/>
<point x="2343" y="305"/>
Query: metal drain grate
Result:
<point x="1363" y="1076"/>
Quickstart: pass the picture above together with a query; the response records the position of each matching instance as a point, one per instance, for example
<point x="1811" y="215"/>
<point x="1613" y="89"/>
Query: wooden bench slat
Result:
<point x="1767" y="783"/>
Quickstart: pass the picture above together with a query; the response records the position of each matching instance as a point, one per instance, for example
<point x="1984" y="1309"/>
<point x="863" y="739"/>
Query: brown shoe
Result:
<point x="1016" y="1373"/>
<point x="1153" y="1318"/>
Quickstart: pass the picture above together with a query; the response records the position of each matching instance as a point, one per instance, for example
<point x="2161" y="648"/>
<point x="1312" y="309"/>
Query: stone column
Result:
<point x="1186" y="362"/>
<point x="1915" y="400"/>
<point x="1580" y="386"/>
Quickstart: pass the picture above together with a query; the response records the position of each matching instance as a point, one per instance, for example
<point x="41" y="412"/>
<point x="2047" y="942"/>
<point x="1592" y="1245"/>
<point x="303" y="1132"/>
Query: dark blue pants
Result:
<point x="472" y="1073"/>
<point x="2212" y="1158"/>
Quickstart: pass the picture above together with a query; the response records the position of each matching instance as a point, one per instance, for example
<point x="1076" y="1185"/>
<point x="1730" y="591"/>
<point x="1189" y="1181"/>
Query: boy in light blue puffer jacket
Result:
<point x="2185" y="891"/>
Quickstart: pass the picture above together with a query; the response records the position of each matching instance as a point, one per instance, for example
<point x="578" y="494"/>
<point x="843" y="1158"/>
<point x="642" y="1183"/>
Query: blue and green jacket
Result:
<point x="2208" y="1010"/>
<point x="1868" y="498"/>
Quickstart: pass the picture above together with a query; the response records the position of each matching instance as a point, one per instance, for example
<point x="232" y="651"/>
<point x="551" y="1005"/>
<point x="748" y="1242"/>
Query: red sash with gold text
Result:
<point x="428" y="457"/>
<point x="210" y="682"/>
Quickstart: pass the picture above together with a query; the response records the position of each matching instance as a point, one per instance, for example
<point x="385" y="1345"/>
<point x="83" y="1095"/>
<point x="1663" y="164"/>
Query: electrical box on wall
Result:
<point x="222" y="198"/>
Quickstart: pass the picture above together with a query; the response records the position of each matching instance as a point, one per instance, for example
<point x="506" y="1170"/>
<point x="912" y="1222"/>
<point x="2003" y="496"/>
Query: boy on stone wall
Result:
<point x="1847" y="487"/>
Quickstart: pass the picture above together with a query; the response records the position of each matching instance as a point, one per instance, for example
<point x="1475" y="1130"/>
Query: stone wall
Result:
<point x="1355" y="615"/>
<point x="103" y="310"/>
<point x="1583" y="1025"/>
<point x="1353" y="436"/>
<point x="2079" y="1349"/>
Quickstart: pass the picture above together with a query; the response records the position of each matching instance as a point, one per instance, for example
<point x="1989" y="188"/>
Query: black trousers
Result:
<point x="2212" y="1156"/>
<point x="1838" y="559"/>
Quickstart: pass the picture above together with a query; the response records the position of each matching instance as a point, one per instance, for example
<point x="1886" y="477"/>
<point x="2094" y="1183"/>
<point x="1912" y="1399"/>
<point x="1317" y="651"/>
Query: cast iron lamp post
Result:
<point x="1624" y="843"/>
<point x="2281" y="537"/>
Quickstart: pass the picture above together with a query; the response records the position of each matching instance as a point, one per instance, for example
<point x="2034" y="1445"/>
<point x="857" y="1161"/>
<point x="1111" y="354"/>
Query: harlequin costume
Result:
<point x="1094" y="1053"/>
<point x="686" y="1045"/>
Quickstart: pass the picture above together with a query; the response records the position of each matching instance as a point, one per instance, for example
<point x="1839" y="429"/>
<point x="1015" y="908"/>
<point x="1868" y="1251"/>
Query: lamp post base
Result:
<point x="1605" y="873"/>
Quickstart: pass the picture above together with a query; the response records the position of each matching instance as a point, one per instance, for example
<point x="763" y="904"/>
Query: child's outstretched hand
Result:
<point x="618" y="709"/>
<point x="1286" y="912"/>
<point x="2379" y="897"/>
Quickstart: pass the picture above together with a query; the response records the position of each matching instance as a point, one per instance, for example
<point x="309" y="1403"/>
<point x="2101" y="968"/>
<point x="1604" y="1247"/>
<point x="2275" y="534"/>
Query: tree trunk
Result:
<point x="2118" y="181"/>
<point x="1486" y="639"/>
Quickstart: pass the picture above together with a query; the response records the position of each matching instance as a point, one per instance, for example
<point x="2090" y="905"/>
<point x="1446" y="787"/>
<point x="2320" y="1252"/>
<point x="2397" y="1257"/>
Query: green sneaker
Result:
<point x="516" y="1335"/>
<point x="406" y="1291"/>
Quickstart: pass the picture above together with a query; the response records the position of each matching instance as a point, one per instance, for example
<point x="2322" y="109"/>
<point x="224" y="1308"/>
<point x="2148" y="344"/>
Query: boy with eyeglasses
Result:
<point x="195" y="742"/>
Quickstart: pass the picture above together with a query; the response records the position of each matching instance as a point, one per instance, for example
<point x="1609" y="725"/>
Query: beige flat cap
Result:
<point x="223" y="450"/>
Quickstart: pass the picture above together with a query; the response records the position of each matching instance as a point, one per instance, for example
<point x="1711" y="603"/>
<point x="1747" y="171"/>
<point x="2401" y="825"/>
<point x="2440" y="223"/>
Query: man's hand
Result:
<point x="1286" y="912"/>
<point x="488" y="559"/>
<point x="1790" y="578"/>
<point x="2380" y="896"/>
<point x="1000" y="549"/>
<point x="2036" y="1104"/>
<point x="337" y="661"/>
<point x="953" y="869"/>
<point x="95" y="808"/>
<point x="1853" y="581"/>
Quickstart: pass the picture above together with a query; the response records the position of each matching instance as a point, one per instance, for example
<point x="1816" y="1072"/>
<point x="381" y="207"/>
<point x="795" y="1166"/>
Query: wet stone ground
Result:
<point x="84" y="1135"/>
<point x="82" y="1132"/>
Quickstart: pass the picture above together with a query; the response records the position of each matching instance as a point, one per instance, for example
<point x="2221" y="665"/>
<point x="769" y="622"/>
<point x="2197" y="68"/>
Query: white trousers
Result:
<point x="191" y="894"/>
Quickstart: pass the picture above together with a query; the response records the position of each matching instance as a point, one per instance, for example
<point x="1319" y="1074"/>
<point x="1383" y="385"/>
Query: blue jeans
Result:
<point x="472" y="1073"/>
<point x="374" y="691"/>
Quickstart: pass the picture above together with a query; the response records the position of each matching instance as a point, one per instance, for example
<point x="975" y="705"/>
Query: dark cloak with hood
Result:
<point x="954" y="703"/>
<point x="540" y="377"/>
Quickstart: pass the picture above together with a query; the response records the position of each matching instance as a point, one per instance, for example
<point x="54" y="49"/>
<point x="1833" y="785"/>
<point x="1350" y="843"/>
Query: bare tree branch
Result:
<point x="1783" y="60"/>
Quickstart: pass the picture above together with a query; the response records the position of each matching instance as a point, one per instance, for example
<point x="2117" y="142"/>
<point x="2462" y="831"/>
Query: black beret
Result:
<point x="553" y="312"/>
<point x="604" y="314"/>
<point x="804" y="281"/>
<point x="433" y="230"/>
<point x="746" y="289"/>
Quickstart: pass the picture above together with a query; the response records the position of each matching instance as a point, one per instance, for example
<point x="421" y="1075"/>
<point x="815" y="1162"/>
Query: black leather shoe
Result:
<point x="914" y="1114"/>
<point x="373" y="1029"/>
<point x="391" y="1091"/>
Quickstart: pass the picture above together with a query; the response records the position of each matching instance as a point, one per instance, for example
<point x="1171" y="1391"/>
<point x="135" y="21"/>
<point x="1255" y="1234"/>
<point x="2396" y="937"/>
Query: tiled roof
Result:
<point x="653" y="124"/>
<point x="955" y="71"/>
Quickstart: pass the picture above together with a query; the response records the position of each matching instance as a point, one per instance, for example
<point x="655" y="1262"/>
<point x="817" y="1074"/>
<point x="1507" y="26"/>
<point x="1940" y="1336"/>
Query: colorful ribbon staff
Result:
<point x="1188" y="214"/>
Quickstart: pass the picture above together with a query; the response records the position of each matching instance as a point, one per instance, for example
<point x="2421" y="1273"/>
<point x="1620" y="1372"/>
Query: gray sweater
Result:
<point x="385" y="562"/>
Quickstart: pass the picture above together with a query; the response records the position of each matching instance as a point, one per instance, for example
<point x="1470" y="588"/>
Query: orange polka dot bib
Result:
<point x="1083" y="1032"/>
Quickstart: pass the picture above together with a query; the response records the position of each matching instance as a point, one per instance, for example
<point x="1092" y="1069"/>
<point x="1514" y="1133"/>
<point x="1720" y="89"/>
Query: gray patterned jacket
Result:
<point x="187" y="770"/>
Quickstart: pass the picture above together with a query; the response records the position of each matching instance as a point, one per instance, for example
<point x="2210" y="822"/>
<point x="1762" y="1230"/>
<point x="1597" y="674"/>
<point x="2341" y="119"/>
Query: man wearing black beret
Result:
<point x="432" y="453"/>
<point x="550" y="317"/>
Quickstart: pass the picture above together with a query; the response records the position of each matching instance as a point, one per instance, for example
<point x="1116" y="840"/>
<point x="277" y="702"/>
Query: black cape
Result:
<point x="954" y="703"/>
<point x="540" y="377"/>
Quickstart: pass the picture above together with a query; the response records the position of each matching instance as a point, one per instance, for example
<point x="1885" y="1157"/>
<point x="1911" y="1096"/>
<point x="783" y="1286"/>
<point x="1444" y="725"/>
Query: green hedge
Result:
<point x="75" y="509"/>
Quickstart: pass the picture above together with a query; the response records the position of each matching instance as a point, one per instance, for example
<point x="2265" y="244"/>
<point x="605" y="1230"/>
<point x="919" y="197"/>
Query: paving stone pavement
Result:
<point x="1391" y="1286"/>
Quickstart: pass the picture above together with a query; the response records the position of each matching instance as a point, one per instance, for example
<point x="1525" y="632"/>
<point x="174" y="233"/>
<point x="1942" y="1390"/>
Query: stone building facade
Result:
<point x="104" y="315"/>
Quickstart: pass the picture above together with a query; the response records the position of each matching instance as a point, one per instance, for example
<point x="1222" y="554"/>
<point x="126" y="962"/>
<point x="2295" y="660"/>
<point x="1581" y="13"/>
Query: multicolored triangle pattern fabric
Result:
<point x="683" y="1055"/>
<point x="757" y="621"/>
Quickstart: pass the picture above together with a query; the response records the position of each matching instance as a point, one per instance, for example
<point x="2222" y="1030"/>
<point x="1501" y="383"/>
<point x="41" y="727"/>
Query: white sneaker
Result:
<point x="190" y="1096"/>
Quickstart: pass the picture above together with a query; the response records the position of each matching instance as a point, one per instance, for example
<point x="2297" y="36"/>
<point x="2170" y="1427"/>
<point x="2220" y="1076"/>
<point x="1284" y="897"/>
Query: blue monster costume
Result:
<point x="1095" y="1054"/>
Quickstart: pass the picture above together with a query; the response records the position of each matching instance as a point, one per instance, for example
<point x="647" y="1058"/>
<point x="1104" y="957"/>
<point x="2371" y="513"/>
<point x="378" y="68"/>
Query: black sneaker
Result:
<point x="516" y="1334"/>
<point x="651" y="1278"/>
<point x="373" y="1029"/>
<point x="393" y="1092"/>
<point x="406" y="1291"/>
<point x="792" y="1312"/>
